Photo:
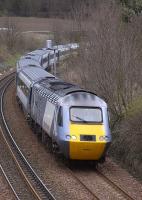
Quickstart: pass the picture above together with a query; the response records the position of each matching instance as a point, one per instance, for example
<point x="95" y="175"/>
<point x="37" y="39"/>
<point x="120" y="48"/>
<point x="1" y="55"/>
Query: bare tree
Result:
<point x="109" y="61"/>
<point x="11" y="35"/>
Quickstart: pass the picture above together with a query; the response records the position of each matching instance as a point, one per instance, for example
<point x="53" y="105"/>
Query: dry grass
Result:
<point x="36" y="24"/>
<point x="14" y="44"/>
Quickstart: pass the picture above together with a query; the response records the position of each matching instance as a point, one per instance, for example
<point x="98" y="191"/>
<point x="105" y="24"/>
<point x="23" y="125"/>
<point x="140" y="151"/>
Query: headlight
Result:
<point x="74" y="137"/>
<point x="68" y="137"/>
<point x="102" y="138"/>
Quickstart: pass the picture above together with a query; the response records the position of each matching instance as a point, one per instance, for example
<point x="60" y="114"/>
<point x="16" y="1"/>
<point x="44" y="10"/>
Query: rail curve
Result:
<point x="38" y="188"/>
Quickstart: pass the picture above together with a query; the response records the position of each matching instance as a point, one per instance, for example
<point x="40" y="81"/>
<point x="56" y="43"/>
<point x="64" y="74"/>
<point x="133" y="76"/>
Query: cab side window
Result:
<point x="60" y="117"/>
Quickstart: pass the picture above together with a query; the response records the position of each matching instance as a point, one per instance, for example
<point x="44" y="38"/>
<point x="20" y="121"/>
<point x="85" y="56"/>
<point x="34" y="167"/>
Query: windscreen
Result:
<point x="86" y="114"/>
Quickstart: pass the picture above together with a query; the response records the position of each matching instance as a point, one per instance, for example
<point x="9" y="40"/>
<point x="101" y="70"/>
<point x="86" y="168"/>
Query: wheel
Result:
<point x="17" y="99"/>
<point x="43" y="137"/>
<point x="34" y="128"/>
<point x="19" y="102"/>
<point x="38" y="130"/>
<point x="55" y="147"/>
<point x="47" y="141"/>
<point x="31" y="124"/>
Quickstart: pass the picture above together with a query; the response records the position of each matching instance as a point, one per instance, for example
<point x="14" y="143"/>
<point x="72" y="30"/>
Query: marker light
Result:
<point x="101" y="138"/>
<point x="74" y="137"/>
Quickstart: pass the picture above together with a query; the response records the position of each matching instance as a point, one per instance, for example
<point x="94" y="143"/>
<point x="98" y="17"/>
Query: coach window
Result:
<point x="57" y="54"/>
<point x="44" y="60"/>
<point x="60" y="117"/>
<point x="23" y="87"/>
<point x="51" y="56"/>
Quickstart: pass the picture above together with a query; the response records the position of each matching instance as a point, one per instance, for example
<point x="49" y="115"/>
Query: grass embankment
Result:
<point x="7" y="59"/>
<point x="24" y="43"/>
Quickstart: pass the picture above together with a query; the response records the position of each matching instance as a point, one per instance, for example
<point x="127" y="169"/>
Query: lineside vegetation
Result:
<point x="109" y="63"/>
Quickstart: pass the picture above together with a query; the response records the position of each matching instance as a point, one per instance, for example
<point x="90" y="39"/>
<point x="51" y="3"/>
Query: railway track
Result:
<point x="9" y="183"/>
<point x="116" y="187"/>
<point x="120" y="192"/>
<point x="95" y="197"/>
<point x="34" y="183"/>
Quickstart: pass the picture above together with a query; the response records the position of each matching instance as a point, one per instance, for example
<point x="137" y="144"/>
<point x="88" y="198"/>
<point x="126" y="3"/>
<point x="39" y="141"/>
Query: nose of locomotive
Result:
<point x="87" y="142"/>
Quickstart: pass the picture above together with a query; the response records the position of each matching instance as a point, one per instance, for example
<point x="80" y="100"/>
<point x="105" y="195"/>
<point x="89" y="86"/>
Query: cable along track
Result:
<point x="38" y="188"/>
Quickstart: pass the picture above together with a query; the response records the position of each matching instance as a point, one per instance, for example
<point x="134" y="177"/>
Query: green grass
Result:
<point x="11" y="62"/>
<point x="7" y="59"/>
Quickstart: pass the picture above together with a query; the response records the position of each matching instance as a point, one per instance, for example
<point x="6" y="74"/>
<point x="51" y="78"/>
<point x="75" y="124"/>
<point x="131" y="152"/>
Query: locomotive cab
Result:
<point x="83" y="127"/>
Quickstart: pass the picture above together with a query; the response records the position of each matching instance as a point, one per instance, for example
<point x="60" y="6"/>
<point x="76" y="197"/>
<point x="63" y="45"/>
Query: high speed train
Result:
<point x="46" y="57"/>
<point x="74" y="119"/>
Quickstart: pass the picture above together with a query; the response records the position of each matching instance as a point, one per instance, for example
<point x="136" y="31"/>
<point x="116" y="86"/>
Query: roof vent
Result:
<point x="27" y="57"/>
<point x="30" y="54"/>
<point x="32" y="65"/>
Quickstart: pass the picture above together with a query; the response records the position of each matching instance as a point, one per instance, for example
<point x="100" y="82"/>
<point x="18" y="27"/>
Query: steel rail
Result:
<point x="20" y="169"/>
<point x="3" y="77"/>
<point x="46" y="193"/>
<point x="1" y="168"/>
<point x="116" y="187"/>
<point x="108" y="181"/>
<point x="6" y="177"/>
<point x="88" y="189"/>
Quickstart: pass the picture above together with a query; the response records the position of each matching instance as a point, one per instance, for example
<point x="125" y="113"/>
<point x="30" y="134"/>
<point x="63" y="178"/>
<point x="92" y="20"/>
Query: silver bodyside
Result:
<point x="42" y="109"/>
<point x="22" y="98"/>
<point x="29" y="76"/>
<point x="38" y="105"/>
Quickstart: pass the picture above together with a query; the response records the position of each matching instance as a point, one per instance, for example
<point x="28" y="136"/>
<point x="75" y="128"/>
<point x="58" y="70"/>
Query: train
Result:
<point x="46" y="57"/>
<point x="75" y="120"/>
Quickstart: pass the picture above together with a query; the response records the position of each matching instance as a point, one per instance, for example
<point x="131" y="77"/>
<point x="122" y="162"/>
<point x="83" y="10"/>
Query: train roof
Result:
<point x="39" y="52"/>
<point x="67" y="46"/>
<point x="54" y="89"/>
<point x="33" y="56"/>
<point x="27" y="61"/>
<point x="59" y="87"/>
<point x="35" y="74"/>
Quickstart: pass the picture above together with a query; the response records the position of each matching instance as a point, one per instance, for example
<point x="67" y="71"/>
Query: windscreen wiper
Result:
<point x="80" y="119"/>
